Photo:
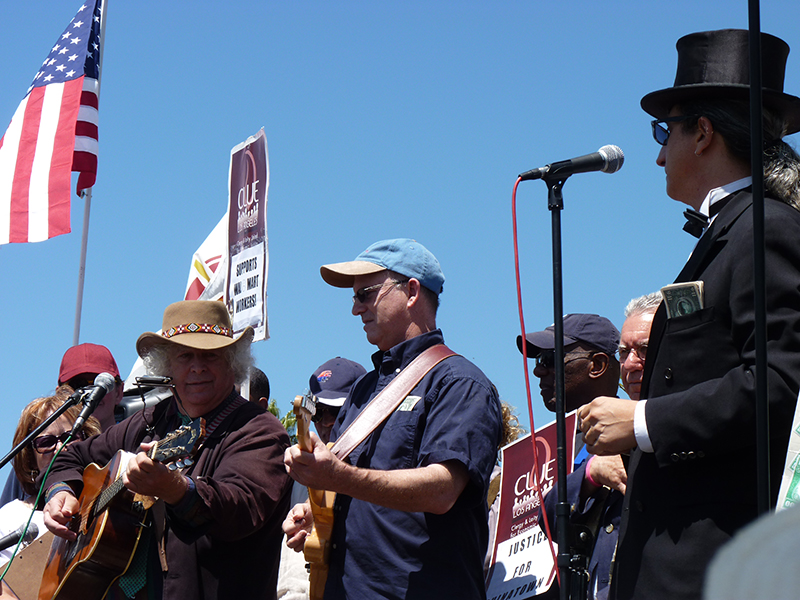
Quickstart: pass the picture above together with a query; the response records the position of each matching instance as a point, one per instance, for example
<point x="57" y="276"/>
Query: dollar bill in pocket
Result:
<point x="683" y="299"/>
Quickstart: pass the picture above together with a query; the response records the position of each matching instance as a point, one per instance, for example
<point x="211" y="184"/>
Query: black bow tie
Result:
<point x="696" y="222"/>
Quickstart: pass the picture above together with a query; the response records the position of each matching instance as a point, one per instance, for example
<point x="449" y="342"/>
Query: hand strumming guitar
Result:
<point x="297" y="526"/>
<point x="58" y="513"/>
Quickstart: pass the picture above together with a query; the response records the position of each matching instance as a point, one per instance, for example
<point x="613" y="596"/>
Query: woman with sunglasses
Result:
<point x="35" y="457"/>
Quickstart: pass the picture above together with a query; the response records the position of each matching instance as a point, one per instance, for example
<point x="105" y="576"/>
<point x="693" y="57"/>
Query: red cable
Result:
<point x="524" y="345"/>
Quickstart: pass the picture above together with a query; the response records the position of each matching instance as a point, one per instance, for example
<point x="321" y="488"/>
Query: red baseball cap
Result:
<point x="86" y="358"/>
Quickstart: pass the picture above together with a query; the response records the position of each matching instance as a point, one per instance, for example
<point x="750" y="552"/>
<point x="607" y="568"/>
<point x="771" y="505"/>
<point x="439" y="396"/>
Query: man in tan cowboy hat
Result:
<point x="410" y="515"/>
<point x="692" y="475"/>
<point x="216" y="528"/>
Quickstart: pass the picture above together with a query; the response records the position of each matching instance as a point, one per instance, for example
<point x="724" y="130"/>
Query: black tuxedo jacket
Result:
<point x="699" y="486"/>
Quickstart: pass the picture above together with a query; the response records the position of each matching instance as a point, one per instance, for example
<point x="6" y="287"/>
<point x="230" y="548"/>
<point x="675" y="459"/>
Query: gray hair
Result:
<point x="238" y="356"/>
<point x="643" y="304"/>
<point x="731" y="119"/>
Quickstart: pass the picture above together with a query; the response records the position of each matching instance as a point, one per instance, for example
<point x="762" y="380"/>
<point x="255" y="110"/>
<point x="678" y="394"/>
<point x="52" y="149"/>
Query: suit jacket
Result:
<point x="699" y="486"/>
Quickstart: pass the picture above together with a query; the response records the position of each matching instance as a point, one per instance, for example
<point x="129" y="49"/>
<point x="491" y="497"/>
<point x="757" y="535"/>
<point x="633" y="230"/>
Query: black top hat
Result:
<point x="716" y="65"/>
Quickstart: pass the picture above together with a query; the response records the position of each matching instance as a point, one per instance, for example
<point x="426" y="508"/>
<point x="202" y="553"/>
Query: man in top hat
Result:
<point x="215" y="530"/>
<point x="692" y="476"/>
<point x="590" y="370"/>
<point x="329" y="386"/>
<point x="411" y="514"/>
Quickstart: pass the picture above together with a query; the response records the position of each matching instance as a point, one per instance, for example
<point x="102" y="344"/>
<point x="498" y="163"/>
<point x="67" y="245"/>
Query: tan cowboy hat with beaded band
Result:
<point x="199" y="324"/>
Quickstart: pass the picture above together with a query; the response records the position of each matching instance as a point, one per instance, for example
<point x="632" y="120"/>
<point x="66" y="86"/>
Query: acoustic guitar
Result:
<point x="109" y="522"/>
<point x="317" y="545"/>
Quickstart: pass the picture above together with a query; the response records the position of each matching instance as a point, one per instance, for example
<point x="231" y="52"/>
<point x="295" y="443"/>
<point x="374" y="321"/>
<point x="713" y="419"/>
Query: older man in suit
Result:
<point x="692" y="475"/>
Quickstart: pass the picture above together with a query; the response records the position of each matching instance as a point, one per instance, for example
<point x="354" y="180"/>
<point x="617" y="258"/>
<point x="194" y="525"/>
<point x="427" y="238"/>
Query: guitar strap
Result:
<point x="389" y="398"/>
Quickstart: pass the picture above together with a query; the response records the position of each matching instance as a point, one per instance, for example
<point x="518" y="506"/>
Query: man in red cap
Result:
<point x="79" y="367"/>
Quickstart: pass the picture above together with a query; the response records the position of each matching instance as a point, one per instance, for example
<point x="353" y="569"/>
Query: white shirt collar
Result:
<point x="719" y="193"/>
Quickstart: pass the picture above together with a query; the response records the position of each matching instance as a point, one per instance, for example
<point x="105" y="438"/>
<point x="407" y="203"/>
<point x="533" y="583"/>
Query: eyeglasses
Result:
<point x="45" y="444"/>
<point x="364" y="293"/>
<point x="547" y="358"/>
<point x="640" y="351"/>
<point x="661" y="133"/>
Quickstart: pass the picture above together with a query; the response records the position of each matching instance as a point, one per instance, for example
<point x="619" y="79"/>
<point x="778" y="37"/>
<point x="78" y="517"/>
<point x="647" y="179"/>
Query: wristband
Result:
<point x="56" y="488"/>
<point x="588" y="474"/>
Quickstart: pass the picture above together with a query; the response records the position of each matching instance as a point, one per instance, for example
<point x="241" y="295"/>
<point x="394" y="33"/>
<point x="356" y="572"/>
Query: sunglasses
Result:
<point x="661" y="131"/>
<point x="364" y="293"/>
<point x="45" y="444"/>
<point x="547" y="358"/>
<point x="322" y="411"/>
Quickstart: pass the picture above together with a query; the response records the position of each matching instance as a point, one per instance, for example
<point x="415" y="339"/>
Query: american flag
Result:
<point x="53" y="133"/>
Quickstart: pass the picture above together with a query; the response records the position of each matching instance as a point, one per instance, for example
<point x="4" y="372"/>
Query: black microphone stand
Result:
<point x="572" y="566"/>
<point x="74" y="399"/>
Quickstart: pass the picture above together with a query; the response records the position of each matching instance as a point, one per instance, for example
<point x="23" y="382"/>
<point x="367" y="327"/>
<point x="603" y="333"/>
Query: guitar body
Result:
<point x="106" y="543"/>
<point x="109" y="523"/>
<point x="316" y="548"/>
<point x="317" y="545"/>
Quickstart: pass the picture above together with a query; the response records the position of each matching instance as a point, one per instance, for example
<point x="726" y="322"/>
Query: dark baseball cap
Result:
<point x="332" y="381"/>
<point x="591" y="329"/>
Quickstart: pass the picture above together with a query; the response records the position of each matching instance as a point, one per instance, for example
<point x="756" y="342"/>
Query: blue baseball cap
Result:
<point x="332" y="381"/>
<point x="404" y="256"/>
<point x="591" y="329"/>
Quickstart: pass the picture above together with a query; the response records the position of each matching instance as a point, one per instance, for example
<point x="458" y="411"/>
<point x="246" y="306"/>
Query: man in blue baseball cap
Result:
<point x="412" y="495"/>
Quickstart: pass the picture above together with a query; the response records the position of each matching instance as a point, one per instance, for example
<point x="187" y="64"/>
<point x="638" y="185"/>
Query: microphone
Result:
<point x="12" y="539"/>
<point x="103" y="384"/>
<point x="608" y="159"/>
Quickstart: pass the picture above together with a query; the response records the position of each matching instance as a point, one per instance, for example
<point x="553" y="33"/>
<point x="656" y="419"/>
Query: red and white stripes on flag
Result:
<point x="53" y="133"/>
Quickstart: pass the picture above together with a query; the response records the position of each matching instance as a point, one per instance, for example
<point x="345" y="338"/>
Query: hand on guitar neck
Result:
<point x="142" y="476"/>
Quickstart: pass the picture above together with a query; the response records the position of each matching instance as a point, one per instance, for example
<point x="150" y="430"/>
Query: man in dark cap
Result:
<point x="692" y="476"/>
<point x="329" y="386"/>
<point x="410" y="513"/>
<point x="591" y="369"/>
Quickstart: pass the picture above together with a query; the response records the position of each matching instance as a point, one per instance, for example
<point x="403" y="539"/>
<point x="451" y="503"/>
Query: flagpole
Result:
<point x="87" y="203"/>
<point x="87" y="198"/>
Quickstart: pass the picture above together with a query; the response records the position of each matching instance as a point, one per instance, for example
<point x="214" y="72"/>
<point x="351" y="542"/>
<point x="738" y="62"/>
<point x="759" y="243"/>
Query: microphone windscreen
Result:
<point x="105" y="381"/>
<point x="614" y="157"/>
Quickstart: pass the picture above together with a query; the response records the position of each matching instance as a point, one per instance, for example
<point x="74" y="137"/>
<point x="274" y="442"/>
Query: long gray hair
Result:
<point x="731" y="119"/>
<point x="239" y="357"/>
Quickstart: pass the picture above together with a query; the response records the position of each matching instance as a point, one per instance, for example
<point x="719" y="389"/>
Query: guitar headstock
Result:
<point x="304" y="409"/>
<point x="181" y="443"/>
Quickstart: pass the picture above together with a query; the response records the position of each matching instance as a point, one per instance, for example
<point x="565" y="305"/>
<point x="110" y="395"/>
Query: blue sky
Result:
<point x="404" y="119"/>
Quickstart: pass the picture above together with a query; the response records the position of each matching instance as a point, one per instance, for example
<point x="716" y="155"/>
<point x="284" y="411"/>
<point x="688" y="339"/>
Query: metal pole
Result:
<point x="759" y="264"/>
<point x="87" y="204"/>
<point x="87" y="197"/>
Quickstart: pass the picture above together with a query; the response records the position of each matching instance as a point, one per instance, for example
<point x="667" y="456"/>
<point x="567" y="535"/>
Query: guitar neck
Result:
<point x="107" y="496"/>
